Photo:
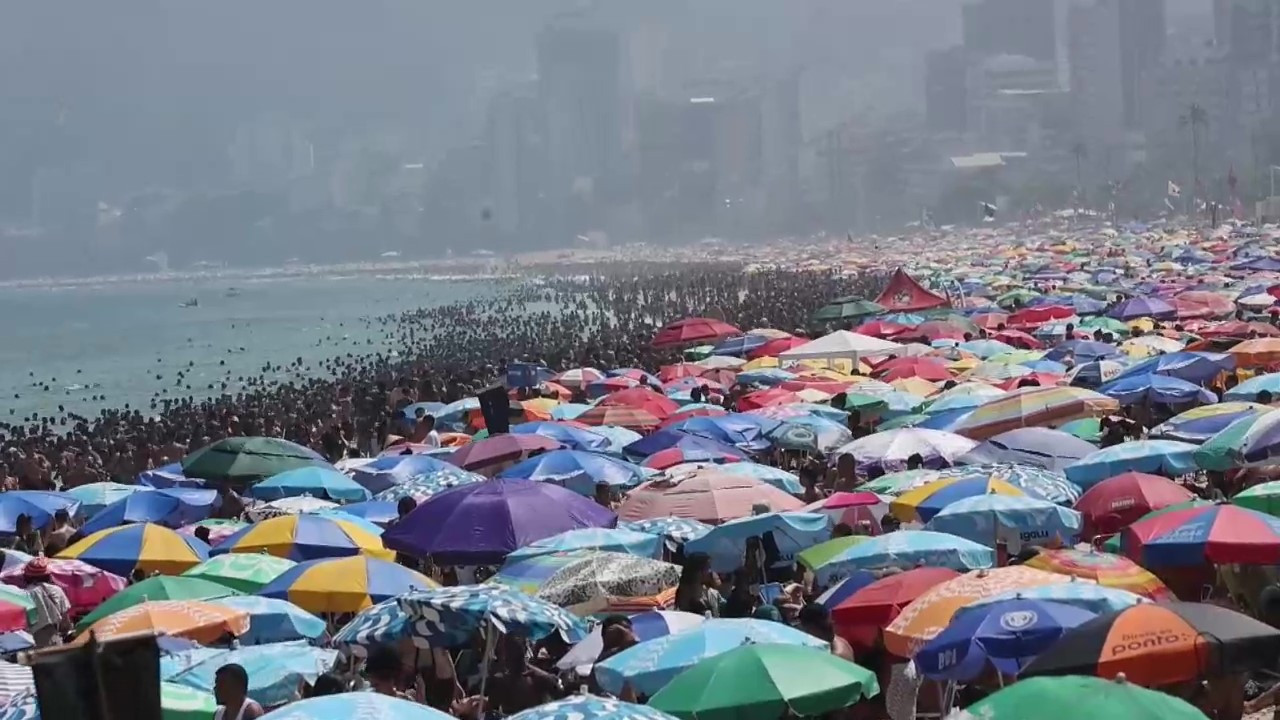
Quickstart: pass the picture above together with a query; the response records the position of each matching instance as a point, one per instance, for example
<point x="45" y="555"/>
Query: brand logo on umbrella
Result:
<point x="1019" y="620"/>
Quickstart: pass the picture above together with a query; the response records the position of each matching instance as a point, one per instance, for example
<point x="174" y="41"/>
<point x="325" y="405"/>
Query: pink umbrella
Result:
<point x="578" y="378"/>
<point x="853" y="509"/>
<point x="642" y="398"/>
<point x="86" y="586"/>
<point x="708" y="497"/>
<point x="494" y="454"/>
<point x="691" y="331"/>
<point x="667" y="373"/>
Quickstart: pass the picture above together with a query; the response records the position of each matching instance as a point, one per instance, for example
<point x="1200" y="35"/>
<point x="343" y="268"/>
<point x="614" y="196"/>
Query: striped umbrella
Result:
<point x="580" y="577"/>
<point x="1158" y="457"/>
<point x="1035" y="406"/>
<point x="1199" y="424"/>
<point x="304" y="537"/>
<point x="1105" y="569"/>
<point x="342" y="585"/>
<point x="637" y="419"/>
<point x="1035" y="482"/>
<point x="674" y="528"/>
<point x="921" y="504"/>
<point x="142" y="546"/>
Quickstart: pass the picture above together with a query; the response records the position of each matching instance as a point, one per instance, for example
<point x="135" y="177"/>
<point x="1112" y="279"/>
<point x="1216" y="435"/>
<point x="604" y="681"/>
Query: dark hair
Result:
<point x="327" y="684"/>
<point x="614" y="620"/>
<point x="406" y="505"/>
<point x="383" y="663"/>
<point x="235" y="673"/>
<point x="816" y="616"/>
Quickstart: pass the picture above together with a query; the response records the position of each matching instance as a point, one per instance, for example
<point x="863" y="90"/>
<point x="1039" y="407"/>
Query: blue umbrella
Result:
<point x="1035" y="446"/>
<point x="569" y="411"/>
<point x="591" y="707"/>
<point x="1139" y="389"/>
<point x="1160" y="457"/>
<point x="790" y="532"/>
<point x="378" y="512"/>
<point x="1082" y="351"/>
<point x="1249" y="389"/>
<point x="621" y="540"/>
<point x="667" y="439"/>
<point x="944" y="420"/>
<point x="1045" y="366"/>
<point x="1036" y="482"/>
<point x="272" y="620"/>
<point x="314" y="481"/>
<point x="35" y="504"/>
<point x="768" y="474"/>
<point x="577" y="470"/>
<point x="650" y="665"/>
<point x="1089" y="596"/>
<point x="459" y="408"/>
<point x="1096" y="373"/>
<point x="1007" y="635"/>
<point x="985" y="348"/>
<point x="174" y="507"/>
<point x="906" y="549"/>
<point x="341" y="513"/>
<point x="645" y="626"/>
<point x="426" y="486"/>
<point x="353" y="705"/>
<point x="1137" y="307"/>
<point x="767" y="377"/>
<point x="383" y="623"/>
<point x="1201" y="423"/>
<point x="274" y="670"/>
<point x="447" y="617"/>
<point x="845" y="589"/>
<point x="96" y="496"/>
<point x="745" y="432"/>
<point x="168" y="476"/>
<point x="739" y="345"/>
<point x="672" y="528"/>
<point x="392" y="469"/>
<point x="1016" y="521"/>
<point x="619" y="437"/>
<point x="1194" y="367"/>
<point x="810" y="433"/>
<point x="567" y="435"/>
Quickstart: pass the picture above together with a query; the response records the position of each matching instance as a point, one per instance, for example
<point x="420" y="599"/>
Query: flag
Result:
<point x="1174" y="190"/>
<point x="988" y="212"/>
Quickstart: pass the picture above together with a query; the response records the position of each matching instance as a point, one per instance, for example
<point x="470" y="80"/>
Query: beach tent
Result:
<point x="903" y="294"/>
<point x="841" y="344"/>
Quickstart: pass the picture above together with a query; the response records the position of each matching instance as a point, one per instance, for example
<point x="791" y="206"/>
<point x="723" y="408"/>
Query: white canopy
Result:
<point x="842" y="344"/>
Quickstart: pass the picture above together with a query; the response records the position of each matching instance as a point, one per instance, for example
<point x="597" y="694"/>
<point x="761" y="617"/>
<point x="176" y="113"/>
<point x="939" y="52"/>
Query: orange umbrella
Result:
<point x="930" y="613"/>
<point x="1257" y="352"/>
<point x="1113" y="571"/>
<point x="203" y="622"/>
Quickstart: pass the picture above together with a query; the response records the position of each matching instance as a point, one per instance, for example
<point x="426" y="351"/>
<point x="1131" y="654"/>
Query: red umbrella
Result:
<point x="492" y="454"/>
<point x="1117" y="502"/>
<point x="1037" y="316"/>
<point x="673" y="456"/>
<point x="667" y="373"/>
<point x="694" y="330"/>
<point x="925" y="368"/>
<point x="697" y="412"/>
<point x="611" y="385"/>
<point x="642" y="398"/>
<point x="881" y="329"/>
<point x="1018" y="339"/>
<point x="991" y="320"/>
<point x="932" y="331"/>
<point x="636" y="419"/>
<point x="1191" y="310"/>
<point x="689" y="383"/>
<point x="777" y="346"/>
<point x="767" y="398"/>
<point x="862" y="615"/>
<point x="1217" y="304"/>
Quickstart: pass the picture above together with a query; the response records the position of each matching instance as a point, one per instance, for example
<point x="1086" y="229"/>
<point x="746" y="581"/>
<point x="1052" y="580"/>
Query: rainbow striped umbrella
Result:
<point x="1105" y="569"/>
<point x="141" y="546"/>
<point x="1201" y="423"/>
<point x="305" y="537"/>
<point x="921" y="504"/>
<point x="1035" y="407"/>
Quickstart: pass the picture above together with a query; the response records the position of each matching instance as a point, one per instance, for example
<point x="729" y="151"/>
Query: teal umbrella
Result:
<point x="247" y="459"/>
<point x="847" y="307"/>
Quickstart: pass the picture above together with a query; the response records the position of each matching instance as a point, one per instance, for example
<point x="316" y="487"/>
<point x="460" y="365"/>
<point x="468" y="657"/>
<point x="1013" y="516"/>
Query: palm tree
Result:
<point x="1080" y="151"/>
<point x="1195" y="118"/>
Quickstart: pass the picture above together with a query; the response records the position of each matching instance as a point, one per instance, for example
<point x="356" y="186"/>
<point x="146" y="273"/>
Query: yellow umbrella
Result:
<point x="762" y="363"/>
<point x="915" y="386"/>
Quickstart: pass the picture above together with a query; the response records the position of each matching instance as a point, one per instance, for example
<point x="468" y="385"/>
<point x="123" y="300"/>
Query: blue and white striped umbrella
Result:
<point x="451" y="614"/>
<point x="272" y="620"/>
<point x="1169" y="458"/>
<point x="1016" y="521"/>
<point x="424" y="487"/>
<point x="357" y="706"/>
<point x="1035" y="482"/>
<point x="673" y="528"/>
<point x="906" y="549"/>
<point x="385" y="622"/>
<point x="591" y="707"/>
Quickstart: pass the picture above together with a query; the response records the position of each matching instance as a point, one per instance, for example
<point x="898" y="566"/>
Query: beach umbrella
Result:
<point x="373" y="513"/>
<point x="172" y="507"/>
<point x="493" y="454"/>
<point x="383" y="623"/>
<point x="304" y="537"/>
<point x="1258" y="352"/>
<point x="852" y="508"/>
<point x="341" y="585"/>
<point x="1249" y="389"/>
<point x="484" y="522"/>
<point x="922" y="503"/>
<point x="1014" y="521"/>
<point x="578" y="378"/>
<point x="161" y="587"/>
<point x="711" y="498"/>
<point x="648" y="666"/>
<point x="17" y="611"/>
<point x="1138" y="307"/>
<point x="890" y="450"/>
<point x="637" y="419"/>
<point x="585" y="580"/>
<point x="845" y="308"/>
<point x="696" y="450"/>
<point x="577" y="470"/>
<point x="816" y="556"/>
<point x="275" y="671"/>
<point x="985" y="348"/>
<point x="1147" y="389"/>
<point x="35" y="504"/>
<point x="617" y="540"/>
<point x="899" y="482"/>
<point x="776" y="477"/>
<point x="745" y="432"/>
<point x="1072" y="697"/>
<point x="219" y="529"/>
<point x="203" y="622"/>
<point x="1045" y="448"/>
<point x="794" y="410"/>
<point x="864" y="613"/>
<point x="1087" y="429"/>
<point x="357" y="705"/>
<point x="569" y="411"/>
<point x="790" y="532"/>
<point x="301" y="505"/>
<point x="85" y="585"/>
<point x="1105" y="569"/>
<point x="1199" y="424"/>
<point x="591" y="707"/>
<point x="675" y="529"/>
<point x="1082" y="351"/>
<point x="1162" y="644"/>
<point x="904" y="549"/>
<point x="1163" y="457"/>
<point x="1119" y="501"/>
<point x="965" y="396"/>
<point x="1032" y="407"/>
<point x="645" y="626"/>
<point x="144" y="546"/>
<point x="1095" y="373"/>
<point x="424" y="487"/>
<point x="1193" y="367"/>
<point x="1096" y="599"/>
<point x="844" y="589"/>
<point x="385" y="472"/>
<point x="763" y="682"/>
<point x="447" y="616"/>
<point x="1263" y="497"/>
<point x="693" y="330"/>
<point x="274" y="621"/>
<point x="809" y="433"/>
<point x="609" y="385"/>
<point x="243" y="572"/>
<point x="93" y="497"/>
<point x="925" y="617"/>
<point x="1225" y="449"/>
<point x="1217" y="534"/>
<point x="177" y="702"/>
<point x="249" y="459"/>
<point x="1004" y="635"/>
<point x="572" y="437"/>
<point x="312" y="481"/>
<point x="1034" y="481"/>
<point x="740" y="345"/>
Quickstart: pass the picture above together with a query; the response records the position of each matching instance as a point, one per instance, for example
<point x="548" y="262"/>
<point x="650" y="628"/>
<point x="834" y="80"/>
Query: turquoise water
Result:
<point x="128" y="341"/>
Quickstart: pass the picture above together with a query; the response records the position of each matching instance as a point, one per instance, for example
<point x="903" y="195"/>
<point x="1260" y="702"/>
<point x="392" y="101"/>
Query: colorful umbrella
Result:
<point x="1162" y="457"/>
<point x="161" y="587"/>
<point x="171" y="507"/>
<point x="930" y="613"/>
<point x="691" y="331"/>
<point x="244" y="572"/>
<point x="867" y="611"/>
<point x="249" y="459"/>
<point x="1218" y="534"/>
<point x="1070" y="698"/>
<point x="650" y="665"/>
<point x="1085" y="595"/>
<point x="1263" y="497"/>
<point x="645" y="626"/>
<point x="616" y="540"/>
<point x="203" y="622"/>
<point x="791" y="532"/>
<point x="1104" y="569"/>
<point x="764" y="682"/>
<point x="906" y="549"/>
<point x="484" y="522"/>
<point x="1034" y="481"/>
<point x="219" y="529"/>
<point x="676" y="529"/>
<point x="150" y="548"/>
<point x="93" y="497"/>
<point x="581" y="577"/>
<point x="357" y="705"/>
<point x="711" y="498"/>
<point x="1117" y="502"/>
<point x="390" y="470"/>
<point x="1193" y="367"/>
<point x="1035" y="406"/>
<point x="1087" y="429"/>
<point x="578" y="378"/>
<point x="384" y="623"/>
<point x="342" y="585"/>
<point x="274" y="621"/>
<point x="448" y="616"/>
<point x="177" y="702"/>
<point x="313" y="481"/>
<point x="899" y="482"/>
<point x="424" y="487"/>
<point x="1162" y="644"/>
<point x="17" y="610"/>
<point x="1199" y="424"/>
<point x="922" y="503"/>
<point x="85" y="585"/>
<point x="637" y="419"/>
<point x="304" y="537"/>
<point x="1249" y="389"/>
<point x="1014" y="521"/>
<point x="493" y="454"/>
<point x="844" y="308"/>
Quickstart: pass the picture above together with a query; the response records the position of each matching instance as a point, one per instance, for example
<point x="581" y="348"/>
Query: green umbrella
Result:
<point x="1222" y="451"/>
<point x="1087" y="429"/>
<point x="821" y="554"/>
<point x="10" y="595"/>
<point x="1071" y="696"/>
<point x="899" y="482"/>
<point x="902" y="421"/>
<point x="179" y="702"/>
<point x="864" y="403"/>
<point x="1105" y="324"/>
<point x="1021" y="295"/>
<point x="245" y="572"/>
<point x="1112" y="545"/>
<point x="763" y="682"/>
<point x="161" y="587"/>
<point x="699" y="352"/>
<point x="1264" y="497"/>
<point x="245" y="459"/>
<point x="847" y="307"/>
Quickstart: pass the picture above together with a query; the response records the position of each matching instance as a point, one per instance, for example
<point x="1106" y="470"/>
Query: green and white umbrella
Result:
<point x="243" y="572"/>
<point x="1072" y="697"/>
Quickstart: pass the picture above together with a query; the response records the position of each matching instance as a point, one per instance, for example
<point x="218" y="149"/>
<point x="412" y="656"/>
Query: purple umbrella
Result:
<point x="1152" y="307"/>
<point x="493" y="454"/>
<point x="480" y="524"/>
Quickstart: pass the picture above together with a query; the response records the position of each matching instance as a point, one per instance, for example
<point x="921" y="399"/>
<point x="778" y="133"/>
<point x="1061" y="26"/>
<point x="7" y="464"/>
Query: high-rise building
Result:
<point x="1248" y="29"/>
<point x="945" y="90"/>
<point x="1010" y="27"/>
<point x="518" y="163"/>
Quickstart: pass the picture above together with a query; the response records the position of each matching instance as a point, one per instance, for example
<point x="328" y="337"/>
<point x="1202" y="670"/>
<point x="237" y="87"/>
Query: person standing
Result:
<point x="51" y="604"/>
<point x="231" y="691"/>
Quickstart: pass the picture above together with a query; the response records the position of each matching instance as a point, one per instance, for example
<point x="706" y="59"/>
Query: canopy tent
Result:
<point x="841" y="344"/>
<point x="903" y="294"/>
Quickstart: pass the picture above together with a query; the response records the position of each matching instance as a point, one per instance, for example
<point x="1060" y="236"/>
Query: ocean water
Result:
<point x="128" y="340"/>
